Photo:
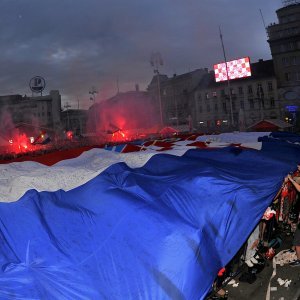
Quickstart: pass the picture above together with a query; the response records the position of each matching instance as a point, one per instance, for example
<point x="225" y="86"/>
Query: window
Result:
<point x="272" y="102"/>
<point x="260" y="91"/>
<point x="200" y="109"/>
<point x="233" y="105"/>
<point x="285" y="61"/>
<point x="251" y="103"/>
<point x="250" y="90"/>
<point x="297" y="76"/>
<point x="222" y="92"/>
<point x="216" y="106"/>
<point x="224" y="107"/>
<point x="242" y="104"/>
<point x="49" y="113"/>
<point x="206" y="96"/>
<point x="293" y="60"/>
<point x="232" y="91"/>
<point x="241" y="91"/>
<point x="208" y="108"/>
<point x="287" y="76"/>
<point x="270" y="86"/>
<point x="214" y="94"/>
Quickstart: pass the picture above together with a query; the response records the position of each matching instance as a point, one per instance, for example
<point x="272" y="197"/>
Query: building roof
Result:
<point x="274" y="122"/>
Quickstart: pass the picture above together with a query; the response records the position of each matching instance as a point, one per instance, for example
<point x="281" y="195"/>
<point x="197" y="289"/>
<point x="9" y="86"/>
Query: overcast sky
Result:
<point x="78" y="44"/>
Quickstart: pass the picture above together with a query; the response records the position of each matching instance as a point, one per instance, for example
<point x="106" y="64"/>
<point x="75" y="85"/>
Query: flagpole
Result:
<point x="228" y="81"/>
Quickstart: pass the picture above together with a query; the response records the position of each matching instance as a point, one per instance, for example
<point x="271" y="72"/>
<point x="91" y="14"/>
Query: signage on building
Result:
<point x="238" y="68"/>
<point x="291" y="108"/>
<point x="37" y="84"/>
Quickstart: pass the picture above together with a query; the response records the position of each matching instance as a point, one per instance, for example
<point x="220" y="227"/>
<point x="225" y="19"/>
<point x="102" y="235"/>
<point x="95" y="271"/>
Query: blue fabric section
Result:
<point x="157" y="232"/>
<point x="283" y="136"/>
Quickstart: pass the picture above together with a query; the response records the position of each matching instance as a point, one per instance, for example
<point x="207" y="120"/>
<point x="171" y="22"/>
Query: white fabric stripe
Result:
<point x="17" y="178"/>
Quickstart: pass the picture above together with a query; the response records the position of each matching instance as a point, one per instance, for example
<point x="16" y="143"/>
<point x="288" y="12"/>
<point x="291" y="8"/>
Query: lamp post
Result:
<point x="228" y="80"/>
<point x="155" y="62"/>
<point x="93" y="92"/>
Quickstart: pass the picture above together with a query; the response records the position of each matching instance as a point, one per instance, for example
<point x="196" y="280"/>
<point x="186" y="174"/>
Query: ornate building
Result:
<point x="253" y="98"/>
<point x="284" y="41"/>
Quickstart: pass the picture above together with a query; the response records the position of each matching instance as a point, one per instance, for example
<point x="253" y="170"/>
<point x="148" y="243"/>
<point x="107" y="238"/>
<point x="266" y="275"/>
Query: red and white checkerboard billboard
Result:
<point x="238" y="68"/>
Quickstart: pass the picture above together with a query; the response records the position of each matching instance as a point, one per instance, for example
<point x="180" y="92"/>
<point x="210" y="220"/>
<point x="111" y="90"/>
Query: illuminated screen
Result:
<point x="238" y="68"/>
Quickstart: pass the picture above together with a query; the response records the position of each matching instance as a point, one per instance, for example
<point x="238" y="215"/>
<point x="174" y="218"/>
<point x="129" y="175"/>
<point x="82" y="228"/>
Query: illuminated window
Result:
<point x="206" y="96"/>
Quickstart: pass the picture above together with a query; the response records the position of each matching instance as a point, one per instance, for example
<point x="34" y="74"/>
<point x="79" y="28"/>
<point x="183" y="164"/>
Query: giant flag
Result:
<point x="158" y="228"/>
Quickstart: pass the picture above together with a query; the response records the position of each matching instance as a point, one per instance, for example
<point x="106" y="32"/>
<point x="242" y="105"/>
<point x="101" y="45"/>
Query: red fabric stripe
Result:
<point x="50" y="159"/>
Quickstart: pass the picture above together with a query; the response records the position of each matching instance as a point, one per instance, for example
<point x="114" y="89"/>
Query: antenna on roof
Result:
<point x="263" y="20"/>
<point x="262" y="17"/>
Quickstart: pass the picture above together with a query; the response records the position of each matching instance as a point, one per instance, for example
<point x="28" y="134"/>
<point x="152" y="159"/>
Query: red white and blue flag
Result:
<point x="153" y="220"/>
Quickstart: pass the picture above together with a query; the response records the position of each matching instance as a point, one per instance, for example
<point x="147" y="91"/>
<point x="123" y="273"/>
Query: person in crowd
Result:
<point x="296" y="241"/>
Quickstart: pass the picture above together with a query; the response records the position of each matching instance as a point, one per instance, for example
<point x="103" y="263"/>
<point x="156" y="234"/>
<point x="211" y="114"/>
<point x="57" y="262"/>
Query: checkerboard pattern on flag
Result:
<point x="238" y="68"/>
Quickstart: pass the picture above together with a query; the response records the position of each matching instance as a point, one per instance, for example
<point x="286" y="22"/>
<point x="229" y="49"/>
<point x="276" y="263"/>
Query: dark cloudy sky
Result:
<point x="77" y="44"/>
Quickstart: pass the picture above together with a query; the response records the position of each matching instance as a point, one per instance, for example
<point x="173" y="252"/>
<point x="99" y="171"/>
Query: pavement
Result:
<point x="266" y="285"/>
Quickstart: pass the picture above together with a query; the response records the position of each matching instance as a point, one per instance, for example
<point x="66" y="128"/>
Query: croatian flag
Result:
<point x="42" y="139"/>
<point x="156" y="223"/>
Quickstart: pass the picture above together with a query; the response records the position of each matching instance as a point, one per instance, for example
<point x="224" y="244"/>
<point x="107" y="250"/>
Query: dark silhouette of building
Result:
<point x="284" y="41"/>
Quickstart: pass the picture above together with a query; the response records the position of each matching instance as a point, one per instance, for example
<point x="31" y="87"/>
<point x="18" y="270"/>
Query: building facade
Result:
<point x="284" y="41"/>
<point x="131" y="111"/>
<point x="176" y="95"/>
<point x="253" y="99"/>
<point x="31" y="113"/>
<point x="75" y="120"/>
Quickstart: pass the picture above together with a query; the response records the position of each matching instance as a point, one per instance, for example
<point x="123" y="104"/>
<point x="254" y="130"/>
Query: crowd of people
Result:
<point x="280" y="222"/>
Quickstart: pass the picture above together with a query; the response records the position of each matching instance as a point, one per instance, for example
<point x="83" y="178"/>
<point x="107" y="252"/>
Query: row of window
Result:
<point x="291" y="61"/>
<point x="250" y="90"/>
<point x="288" y="31"/>
<point x="42" y="114"/>
<point x="284" y="47"/>
<point x="292" y="76"/>
<point x="226" y="107"/>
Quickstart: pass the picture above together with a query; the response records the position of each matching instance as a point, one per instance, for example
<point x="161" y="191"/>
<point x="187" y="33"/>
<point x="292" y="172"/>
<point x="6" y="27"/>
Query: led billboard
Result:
<point x="238" y="68"/>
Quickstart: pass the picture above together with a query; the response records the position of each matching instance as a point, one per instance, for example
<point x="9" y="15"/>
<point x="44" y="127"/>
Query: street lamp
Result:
<point x="93" y="93"/>
<point x="228" y="80"/>
<point x="156" y="61"/>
